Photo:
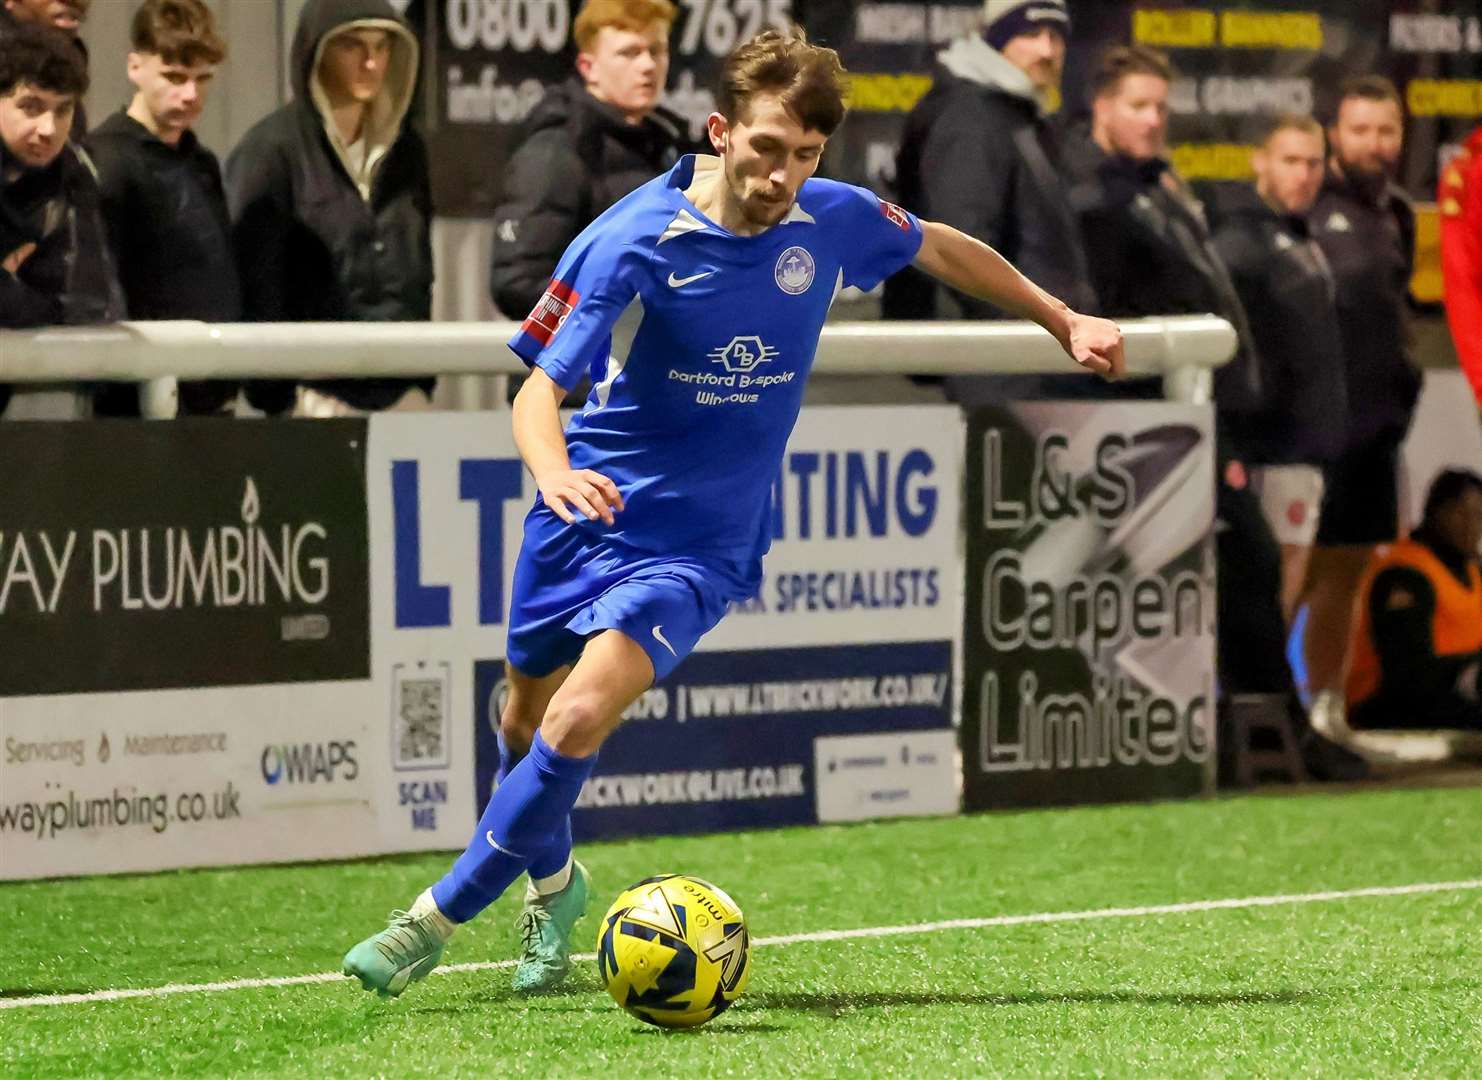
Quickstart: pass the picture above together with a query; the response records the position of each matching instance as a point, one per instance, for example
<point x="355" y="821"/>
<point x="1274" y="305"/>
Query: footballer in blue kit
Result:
<point x="695" y="306"/>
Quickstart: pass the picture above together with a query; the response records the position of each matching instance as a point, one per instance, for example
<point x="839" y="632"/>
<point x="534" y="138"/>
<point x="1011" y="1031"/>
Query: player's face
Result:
<point x="767" y="156"/>
<point x="627" y="68"/>
<point x="1040" y="55"/>
<point x="60" y="14"/>
<point x="35" y="123"/>
<point x="1289" y="169"/>
<point x="174" y="94"/>
<point x="1367" y="138"/>
<point x="354" y="65"/>
<point x="1131" y="118"/>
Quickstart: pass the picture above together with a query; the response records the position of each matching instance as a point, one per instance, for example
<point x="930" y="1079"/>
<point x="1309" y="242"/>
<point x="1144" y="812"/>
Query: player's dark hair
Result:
<point x="1451" y="485"/>
<point x="808" y="78"/>
<point x="1302" y="122"/>
<point x="178" y="32"/>
<point x="41" y="57"/>
<point x="1369" y="88"/>
<point x="1123" y="60"/>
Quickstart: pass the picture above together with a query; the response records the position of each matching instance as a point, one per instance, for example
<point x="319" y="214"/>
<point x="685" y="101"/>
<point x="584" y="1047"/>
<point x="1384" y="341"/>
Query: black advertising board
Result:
<point x="1239" y="62"/>
<point x="1088" y="638"/>
<point x="193" y="553"/>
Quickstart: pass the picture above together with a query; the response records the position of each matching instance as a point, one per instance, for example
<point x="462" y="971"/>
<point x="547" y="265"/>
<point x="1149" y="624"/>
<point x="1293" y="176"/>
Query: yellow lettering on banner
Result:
<point x="1212" y="161"/>
<point x="1180" y="29"/>
<point x="1271" y="30"/>
<point x="1444" y="97"/>
<point x="886" y="93"/>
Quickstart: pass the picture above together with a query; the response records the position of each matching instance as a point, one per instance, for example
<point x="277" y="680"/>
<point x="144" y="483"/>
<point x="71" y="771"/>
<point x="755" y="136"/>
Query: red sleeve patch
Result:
<point x="895" y="215"/>
<point x="550" y="312"/>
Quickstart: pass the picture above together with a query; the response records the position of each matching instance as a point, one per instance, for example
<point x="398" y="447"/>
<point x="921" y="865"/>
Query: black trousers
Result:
<point x="1252" y="631"/>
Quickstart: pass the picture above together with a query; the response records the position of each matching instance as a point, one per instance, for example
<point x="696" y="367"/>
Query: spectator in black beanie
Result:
<point x="979" y="153"/>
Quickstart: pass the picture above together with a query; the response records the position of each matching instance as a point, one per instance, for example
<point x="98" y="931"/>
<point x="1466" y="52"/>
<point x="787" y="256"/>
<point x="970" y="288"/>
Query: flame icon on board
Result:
<point x="251" y="505"/>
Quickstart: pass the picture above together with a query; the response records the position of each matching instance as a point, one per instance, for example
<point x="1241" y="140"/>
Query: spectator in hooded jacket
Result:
<point x="590" y="141"/>
<point x="55" y="267"/>
<point x="331" y="201"/>
<point x="1288" y="292"/>
<point x="978" y="153"/>
<point x="162" y="191"/>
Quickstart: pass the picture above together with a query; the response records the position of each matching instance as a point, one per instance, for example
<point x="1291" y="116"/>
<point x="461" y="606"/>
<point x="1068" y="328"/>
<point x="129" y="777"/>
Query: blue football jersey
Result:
<point x="698" y="342"/>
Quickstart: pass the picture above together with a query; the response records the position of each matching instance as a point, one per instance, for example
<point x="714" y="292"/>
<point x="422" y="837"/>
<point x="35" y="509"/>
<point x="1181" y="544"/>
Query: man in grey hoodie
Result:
<point x="330" y="198"/>
<point x="979" y="154"/>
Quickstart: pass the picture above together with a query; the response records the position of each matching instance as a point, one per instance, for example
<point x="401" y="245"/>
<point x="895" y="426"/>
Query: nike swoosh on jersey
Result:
<point x="680" y="282"/>
<point x="662" y="640"/>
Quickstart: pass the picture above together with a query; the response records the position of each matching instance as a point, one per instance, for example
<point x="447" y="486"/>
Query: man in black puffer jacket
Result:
<point x="330" y="198"/>
<point x="588" y="143"/>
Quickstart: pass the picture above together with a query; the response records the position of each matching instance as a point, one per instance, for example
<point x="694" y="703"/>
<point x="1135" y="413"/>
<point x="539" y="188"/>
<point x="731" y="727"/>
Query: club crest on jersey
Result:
<point x="895" y="215"/>
<point x="794" y="271"/>
<point x="743" y="355"/>
<point x="550" y="312"/>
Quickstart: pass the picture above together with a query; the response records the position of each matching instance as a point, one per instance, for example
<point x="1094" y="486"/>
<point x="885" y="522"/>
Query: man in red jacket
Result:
<point x="1460" y="202"/>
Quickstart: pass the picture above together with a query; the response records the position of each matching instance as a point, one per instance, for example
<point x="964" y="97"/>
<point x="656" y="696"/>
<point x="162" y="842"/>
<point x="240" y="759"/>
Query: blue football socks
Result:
<point x="528" y="818"/>
<point x="549" y="860"/>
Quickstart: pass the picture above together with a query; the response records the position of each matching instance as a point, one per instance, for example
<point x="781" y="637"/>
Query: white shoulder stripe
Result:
<point x="684" y="222"/>
<point x="623" y="334"/>
<point x="799" y="216"/>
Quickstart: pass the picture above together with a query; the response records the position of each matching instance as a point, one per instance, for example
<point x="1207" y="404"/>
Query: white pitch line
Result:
<point x="1191" y="907"/>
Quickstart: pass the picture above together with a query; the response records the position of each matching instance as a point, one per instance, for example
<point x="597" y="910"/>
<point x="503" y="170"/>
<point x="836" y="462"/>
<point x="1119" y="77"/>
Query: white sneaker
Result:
<point x="1329" y="717"/>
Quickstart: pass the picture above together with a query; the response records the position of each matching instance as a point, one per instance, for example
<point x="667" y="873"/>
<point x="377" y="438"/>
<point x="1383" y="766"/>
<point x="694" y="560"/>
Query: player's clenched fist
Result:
<point x="1096" y="344"/>
<point x="589" y="493"/>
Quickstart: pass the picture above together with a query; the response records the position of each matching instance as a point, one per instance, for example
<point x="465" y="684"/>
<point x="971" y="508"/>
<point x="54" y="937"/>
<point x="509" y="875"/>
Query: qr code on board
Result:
<point x="421" y="722"/>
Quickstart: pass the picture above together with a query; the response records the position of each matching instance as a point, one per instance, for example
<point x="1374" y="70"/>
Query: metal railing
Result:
<point x="1184" y="349"/>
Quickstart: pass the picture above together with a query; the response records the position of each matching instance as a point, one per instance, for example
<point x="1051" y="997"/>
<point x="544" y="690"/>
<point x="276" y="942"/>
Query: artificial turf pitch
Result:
<point x="1367" y="986"/>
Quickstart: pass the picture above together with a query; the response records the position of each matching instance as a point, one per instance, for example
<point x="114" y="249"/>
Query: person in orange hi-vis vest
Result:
<point x="1417" y="649"/>
<point x="1459" y="198"/>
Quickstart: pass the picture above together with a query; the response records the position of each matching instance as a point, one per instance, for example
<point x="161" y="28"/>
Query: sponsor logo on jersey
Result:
<point x="551" y="312"/>
<point x="743" y="354"/>
<point x="794" y="272"/>
<point x="896" y="216"/>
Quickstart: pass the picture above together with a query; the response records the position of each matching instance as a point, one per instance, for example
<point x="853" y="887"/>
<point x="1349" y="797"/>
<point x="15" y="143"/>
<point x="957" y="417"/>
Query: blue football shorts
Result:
<point x="571" y="583"/>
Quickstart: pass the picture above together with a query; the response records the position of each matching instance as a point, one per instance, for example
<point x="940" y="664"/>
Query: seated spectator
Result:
<point x="1417" y="648"/>
<point x="55" y="268"/>
<point x="331" y="202"/>
<point x="66" y="16"/>
<point x="1287" y="290"/>
<point x="162" y="194"/>
<point x="589" y="142"/>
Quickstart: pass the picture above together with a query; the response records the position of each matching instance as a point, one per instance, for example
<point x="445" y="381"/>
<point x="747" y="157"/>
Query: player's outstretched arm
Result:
<point x="972" y="267"/>
<point x="542" y="444"/>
